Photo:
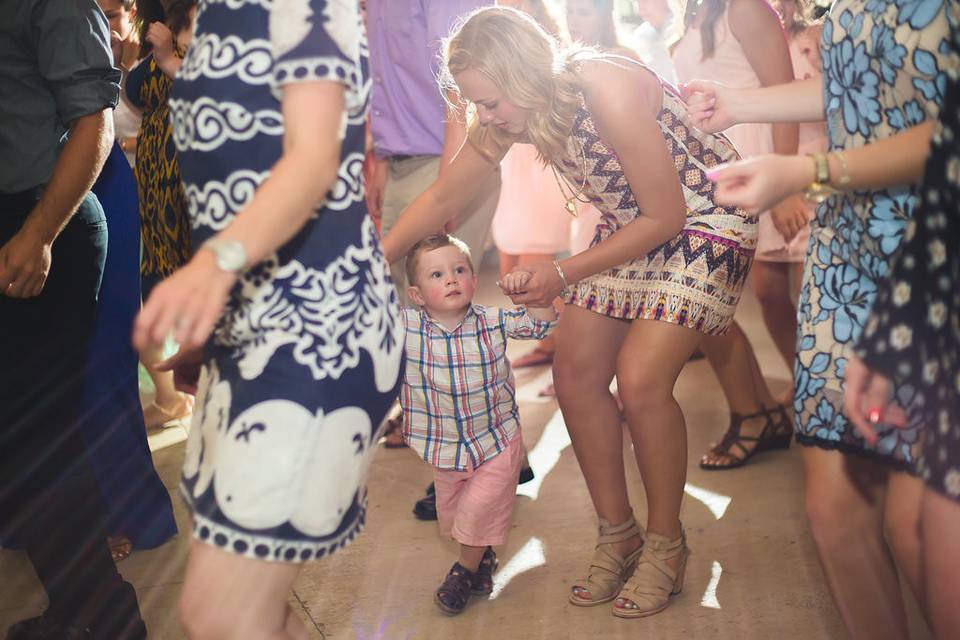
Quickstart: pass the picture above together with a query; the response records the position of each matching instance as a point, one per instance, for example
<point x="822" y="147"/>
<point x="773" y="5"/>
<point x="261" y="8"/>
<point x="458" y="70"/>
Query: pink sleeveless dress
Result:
<point x="729" y="65"/>
<point x="693" y="280"/>
<point x="530" y="216"/>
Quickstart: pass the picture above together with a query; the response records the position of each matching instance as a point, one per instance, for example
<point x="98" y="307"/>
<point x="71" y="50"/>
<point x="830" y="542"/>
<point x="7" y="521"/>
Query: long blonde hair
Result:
<point x="527" y="65"/>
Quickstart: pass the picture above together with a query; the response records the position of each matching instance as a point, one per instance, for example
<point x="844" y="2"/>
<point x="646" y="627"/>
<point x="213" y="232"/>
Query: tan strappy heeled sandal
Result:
<point x="608" y="569"/>
<point x="649" y="589"/>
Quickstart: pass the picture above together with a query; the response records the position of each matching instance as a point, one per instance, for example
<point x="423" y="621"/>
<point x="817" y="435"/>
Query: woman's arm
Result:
<point x="626" y="120"/>
<point x="715" y="107"/>
<point x="757" y="28"/>
<point x="756" y="183"/>
<point x="192" y="299"/>
<point x="456" y="187"/>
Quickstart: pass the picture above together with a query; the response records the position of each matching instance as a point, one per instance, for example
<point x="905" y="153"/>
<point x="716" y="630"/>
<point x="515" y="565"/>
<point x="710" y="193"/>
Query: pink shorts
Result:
<point x="474" y="506"/>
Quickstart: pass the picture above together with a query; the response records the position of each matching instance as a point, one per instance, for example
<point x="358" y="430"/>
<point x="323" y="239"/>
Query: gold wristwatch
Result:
<point x="820" y="189"/>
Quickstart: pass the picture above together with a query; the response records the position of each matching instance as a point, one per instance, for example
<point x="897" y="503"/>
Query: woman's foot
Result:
<point x="659" y="575"/>
<point x="747" y="436"/>
<point x="159" y="414"/>
<point x="453" y="594"/>
<point x="616" y="554"/>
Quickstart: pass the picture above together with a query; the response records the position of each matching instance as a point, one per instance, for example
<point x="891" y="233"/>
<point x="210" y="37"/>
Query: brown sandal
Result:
<point x="649" y="589"/>
<point x="776" y="434"/>
<point x="608" y="569"/>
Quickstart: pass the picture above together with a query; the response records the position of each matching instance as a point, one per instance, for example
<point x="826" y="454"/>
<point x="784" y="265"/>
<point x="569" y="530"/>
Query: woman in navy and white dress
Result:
<point x="287" y="304"/>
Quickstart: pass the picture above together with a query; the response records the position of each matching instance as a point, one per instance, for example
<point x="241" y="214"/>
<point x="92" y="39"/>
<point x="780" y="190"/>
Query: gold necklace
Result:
<point x="573" y="196"/>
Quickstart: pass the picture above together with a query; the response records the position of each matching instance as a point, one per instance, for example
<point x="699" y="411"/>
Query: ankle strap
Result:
<point x="610" y="534"/>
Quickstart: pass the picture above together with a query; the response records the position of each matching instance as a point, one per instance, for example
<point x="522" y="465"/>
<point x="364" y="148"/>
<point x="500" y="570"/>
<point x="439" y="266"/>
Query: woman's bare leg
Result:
<point x="901" y="520"/>
<point x="845" y="497"/>
<point x="772" y="283"/>
<point x="230" y="597"/>
<point x="940" y="517"/>
<point x="650" y="360"/>
<point x="744" y="387"/>
<point x="582" y="371"/>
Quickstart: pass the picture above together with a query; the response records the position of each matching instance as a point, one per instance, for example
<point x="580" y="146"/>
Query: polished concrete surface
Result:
<point x="753" y="573"/>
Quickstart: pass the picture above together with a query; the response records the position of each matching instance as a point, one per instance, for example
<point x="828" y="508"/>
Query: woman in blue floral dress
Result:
<point x="287" y="305"/>
<point x="884" y="71"/>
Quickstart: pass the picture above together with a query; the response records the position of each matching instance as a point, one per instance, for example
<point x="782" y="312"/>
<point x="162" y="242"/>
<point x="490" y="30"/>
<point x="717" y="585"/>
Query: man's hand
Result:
<point x="24" y="265"/>
<point x="376" y="187"/>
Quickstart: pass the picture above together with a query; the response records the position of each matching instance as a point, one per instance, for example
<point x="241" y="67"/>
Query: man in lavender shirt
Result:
<point x="414" y="137"/>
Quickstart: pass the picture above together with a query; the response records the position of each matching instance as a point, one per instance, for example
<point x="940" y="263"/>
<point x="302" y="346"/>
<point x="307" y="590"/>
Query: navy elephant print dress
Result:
<point x="305" y="361"/>
<point x="884" y="70"/>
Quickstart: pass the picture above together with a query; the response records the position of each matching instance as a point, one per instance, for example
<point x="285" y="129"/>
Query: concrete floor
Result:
<point x="753" y="573"/>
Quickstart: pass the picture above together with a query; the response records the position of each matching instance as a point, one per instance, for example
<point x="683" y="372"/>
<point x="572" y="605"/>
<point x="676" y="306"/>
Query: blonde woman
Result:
<point x="639" y="301"/>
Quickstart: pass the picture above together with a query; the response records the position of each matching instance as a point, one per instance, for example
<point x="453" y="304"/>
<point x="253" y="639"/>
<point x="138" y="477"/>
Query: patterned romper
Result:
<point x="883" y="71"/>
<point x="305" y="361"/>
<point x="693" y="280"/>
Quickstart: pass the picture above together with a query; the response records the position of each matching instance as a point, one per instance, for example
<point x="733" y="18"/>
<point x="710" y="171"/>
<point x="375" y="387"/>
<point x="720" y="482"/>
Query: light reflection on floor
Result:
<point x="717" y="503"/>
<point x="709" y="599"/>
<point x="544" y="456"/>
<point x="529" y="557"/>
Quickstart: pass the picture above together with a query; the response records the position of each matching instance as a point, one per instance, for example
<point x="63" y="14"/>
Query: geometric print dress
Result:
<point x="693" y="280"/>
<point x="305" y="360"/>
<point x="883" y="71"/>
<point x="913" y="334"/>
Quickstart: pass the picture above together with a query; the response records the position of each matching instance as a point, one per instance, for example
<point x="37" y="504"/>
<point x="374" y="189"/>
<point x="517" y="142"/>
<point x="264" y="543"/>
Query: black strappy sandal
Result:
<point x="776" y="434"/>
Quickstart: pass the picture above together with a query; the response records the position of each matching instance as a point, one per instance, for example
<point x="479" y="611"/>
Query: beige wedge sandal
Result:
<point x="608" y="569"/>
<point x="649" y="589"/>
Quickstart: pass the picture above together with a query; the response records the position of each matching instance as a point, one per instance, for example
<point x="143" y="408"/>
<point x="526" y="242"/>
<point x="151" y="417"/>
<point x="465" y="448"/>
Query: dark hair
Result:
<point x="176" y="18"/>
<point x="708" y="36"/>
<point x="435" y="241"/>
<point x="608" y="28"/>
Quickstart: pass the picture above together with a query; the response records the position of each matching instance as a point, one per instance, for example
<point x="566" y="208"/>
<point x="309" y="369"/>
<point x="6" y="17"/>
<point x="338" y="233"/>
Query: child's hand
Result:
<point x="514" y="282"/>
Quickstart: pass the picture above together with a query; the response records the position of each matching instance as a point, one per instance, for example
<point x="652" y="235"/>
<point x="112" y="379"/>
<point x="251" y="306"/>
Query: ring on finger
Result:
<point x="875" y="415"/>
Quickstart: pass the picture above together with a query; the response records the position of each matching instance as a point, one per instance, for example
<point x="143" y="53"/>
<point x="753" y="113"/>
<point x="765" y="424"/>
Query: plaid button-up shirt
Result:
<point x="458" y="396"/>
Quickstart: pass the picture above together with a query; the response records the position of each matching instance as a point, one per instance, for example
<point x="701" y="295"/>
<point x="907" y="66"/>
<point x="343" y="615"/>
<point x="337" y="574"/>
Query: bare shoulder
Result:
<point x="616" y="77"/>
<point x="745" y="15"/>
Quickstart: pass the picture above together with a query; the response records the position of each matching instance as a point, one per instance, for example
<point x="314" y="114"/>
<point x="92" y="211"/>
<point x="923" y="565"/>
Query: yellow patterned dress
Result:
<point x="693" y="280"/>
<point x="164" y="222"/>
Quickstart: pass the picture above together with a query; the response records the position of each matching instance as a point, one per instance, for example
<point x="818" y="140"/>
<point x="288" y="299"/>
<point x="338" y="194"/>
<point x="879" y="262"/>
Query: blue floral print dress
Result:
<point x="883" y="71"/>
<point x="305" y="361"/>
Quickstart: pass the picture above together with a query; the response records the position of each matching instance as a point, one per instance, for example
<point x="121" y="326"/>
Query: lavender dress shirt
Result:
<point x="407" y="107"/>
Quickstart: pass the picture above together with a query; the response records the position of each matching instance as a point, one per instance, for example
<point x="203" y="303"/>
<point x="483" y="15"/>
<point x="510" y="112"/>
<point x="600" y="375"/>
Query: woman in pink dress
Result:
<point x="531" y="224"/>
<point x="739" y="43"/>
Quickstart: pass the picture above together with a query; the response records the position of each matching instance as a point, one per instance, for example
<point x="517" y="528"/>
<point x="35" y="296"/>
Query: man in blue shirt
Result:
<point x="57" y="86"/>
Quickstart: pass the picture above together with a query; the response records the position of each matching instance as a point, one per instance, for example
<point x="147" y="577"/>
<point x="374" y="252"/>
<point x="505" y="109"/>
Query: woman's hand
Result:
<point x="161" y="39"/>
<point x="759" y="183"/>
<point x="711" y="105"/>
<point x="535" y="284"/>
<point x="186" y="365"/>
<point x="189" y="303"/>
<point x="790" y="217"/>
<point x="867" y="400"/>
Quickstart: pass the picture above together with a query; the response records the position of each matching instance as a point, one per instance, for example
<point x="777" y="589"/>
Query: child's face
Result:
<point x="444" y="280"/>
<point x="493" y="108"/>
<point x="121" y="20"/>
